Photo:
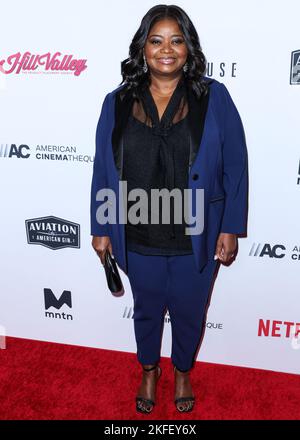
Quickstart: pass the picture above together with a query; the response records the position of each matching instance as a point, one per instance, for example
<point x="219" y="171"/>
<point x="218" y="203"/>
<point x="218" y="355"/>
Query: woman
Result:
<point x="169" y="127"/>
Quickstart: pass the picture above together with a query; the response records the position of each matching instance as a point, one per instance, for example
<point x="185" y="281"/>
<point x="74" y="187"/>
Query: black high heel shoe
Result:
<point x="179" y="400"/>
<point x="150" y="403"/>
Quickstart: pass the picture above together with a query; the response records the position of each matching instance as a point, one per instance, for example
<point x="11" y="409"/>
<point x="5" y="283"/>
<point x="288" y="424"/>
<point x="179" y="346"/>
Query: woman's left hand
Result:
<point x="226" y="246"/>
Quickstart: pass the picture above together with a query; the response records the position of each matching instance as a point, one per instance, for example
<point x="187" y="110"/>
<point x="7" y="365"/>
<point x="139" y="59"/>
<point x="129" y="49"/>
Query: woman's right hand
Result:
<point x="100" y="244"/>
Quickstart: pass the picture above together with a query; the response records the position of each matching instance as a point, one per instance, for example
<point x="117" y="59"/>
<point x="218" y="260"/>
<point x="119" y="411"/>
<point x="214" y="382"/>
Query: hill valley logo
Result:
<point x="47" y="63"/>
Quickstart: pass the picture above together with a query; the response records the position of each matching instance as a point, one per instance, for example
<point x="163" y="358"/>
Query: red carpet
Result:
<point x="41" y="380"/>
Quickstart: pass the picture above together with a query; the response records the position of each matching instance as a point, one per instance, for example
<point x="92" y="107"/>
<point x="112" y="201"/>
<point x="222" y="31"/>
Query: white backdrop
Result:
<point x="249" y="47"/>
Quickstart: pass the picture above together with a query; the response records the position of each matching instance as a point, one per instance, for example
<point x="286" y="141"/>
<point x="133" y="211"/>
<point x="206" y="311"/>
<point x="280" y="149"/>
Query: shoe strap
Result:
<point x="185" y="399"/>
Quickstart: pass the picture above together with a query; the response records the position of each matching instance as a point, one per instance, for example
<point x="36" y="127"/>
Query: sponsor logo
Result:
<point x="221" y="69"/>
<point x="295" y="68"/>
<point x="214" y="325"/>
<point x="278" y="329"/>
<point x="57" y="303"/>
<point x="44" y="152"/>
<point x="128" y="314"/>
<point x="266" y="249"/>
<point x="274" y="251"/>
<point x="53" y="232"/>
<point x="47" y="63"/>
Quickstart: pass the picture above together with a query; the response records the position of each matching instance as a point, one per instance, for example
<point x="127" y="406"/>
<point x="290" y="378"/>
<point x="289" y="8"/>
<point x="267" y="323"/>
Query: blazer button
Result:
<point x="195" y="176"/>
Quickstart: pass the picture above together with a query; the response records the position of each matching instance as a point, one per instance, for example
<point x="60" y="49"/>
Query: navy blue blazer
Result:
<point x="219" y="165"/>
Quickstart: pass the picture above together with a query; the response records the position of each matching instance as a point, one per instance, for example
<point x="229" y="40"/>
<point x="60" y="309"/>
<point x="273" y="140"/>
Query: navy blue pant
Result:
<point x="160" y="282"/>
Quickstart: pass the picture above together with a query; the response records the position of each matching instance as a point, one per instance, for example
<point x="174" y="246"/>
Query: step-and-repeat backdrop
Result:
<point x="57" y="62"/>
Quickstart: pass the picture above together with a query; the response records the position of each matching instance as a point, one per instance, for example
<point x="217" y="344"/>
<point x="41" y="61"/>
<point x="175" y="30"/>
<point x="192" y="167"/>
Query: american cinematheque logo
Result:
<point x="275" y="251"/>
<point x="53" y="232"/>
<point x="65" y="153"/>
<point x="28" y="63"/>
<point x="295" y="67"/>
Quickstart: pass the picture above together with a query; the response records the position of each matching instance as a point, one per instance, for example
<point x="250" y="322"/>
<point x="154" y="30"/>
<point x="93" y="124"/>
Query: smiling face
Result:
<point x="165" y="48"/>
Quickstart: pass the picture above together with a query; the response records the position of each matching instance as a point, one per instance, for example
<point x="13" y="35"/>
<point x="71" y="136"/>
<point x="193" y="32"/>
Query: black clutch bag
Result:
<point x="113" y="278"/>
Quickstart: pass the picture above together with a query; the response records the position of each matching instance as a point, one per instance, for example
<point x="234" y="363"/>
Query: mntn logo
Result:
<point x="52" y="301"/>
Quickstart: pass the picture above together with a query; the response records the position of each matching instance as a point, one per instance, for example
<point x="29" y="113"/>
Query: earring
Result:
<point x="145" y="67"/>
<point x="185" y="67"/>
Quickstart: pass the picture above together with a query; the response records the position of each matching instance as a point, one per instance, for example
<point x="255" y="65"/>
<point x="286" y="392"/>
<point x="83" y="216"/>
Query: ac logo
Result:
<point x="261" y="250"/>
<point x="295" y="68"/>
<point x="21" y="152"/>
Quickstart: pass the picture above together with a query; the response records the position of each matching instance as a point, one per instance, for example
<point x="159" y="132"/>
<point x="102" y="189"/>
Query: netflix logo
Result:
<point x="278" y="329"/>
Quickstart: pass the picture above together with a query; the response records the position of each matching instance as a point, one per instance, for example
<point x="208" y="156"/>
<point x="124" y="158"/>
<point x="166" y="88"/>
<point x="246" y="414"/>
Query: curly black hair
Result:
<point x="132" y="67"/>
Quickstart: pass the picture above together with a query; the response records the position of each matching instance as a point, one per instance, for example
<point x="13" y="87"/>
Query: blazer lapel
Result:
<point x="122" y="112"/>
<point x="196" y="117"/>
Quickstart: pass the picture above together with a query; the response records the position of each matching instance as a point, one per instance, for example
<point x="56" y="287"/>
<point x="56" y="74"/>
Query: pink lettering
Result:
<point x="28" y="62"/>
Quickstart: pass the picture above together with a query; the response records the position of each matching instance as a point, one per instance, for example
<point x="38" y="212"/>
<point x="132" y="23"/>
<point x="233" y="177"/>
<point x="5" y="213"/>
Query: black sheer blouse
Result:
<point x="156" y="154"/>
